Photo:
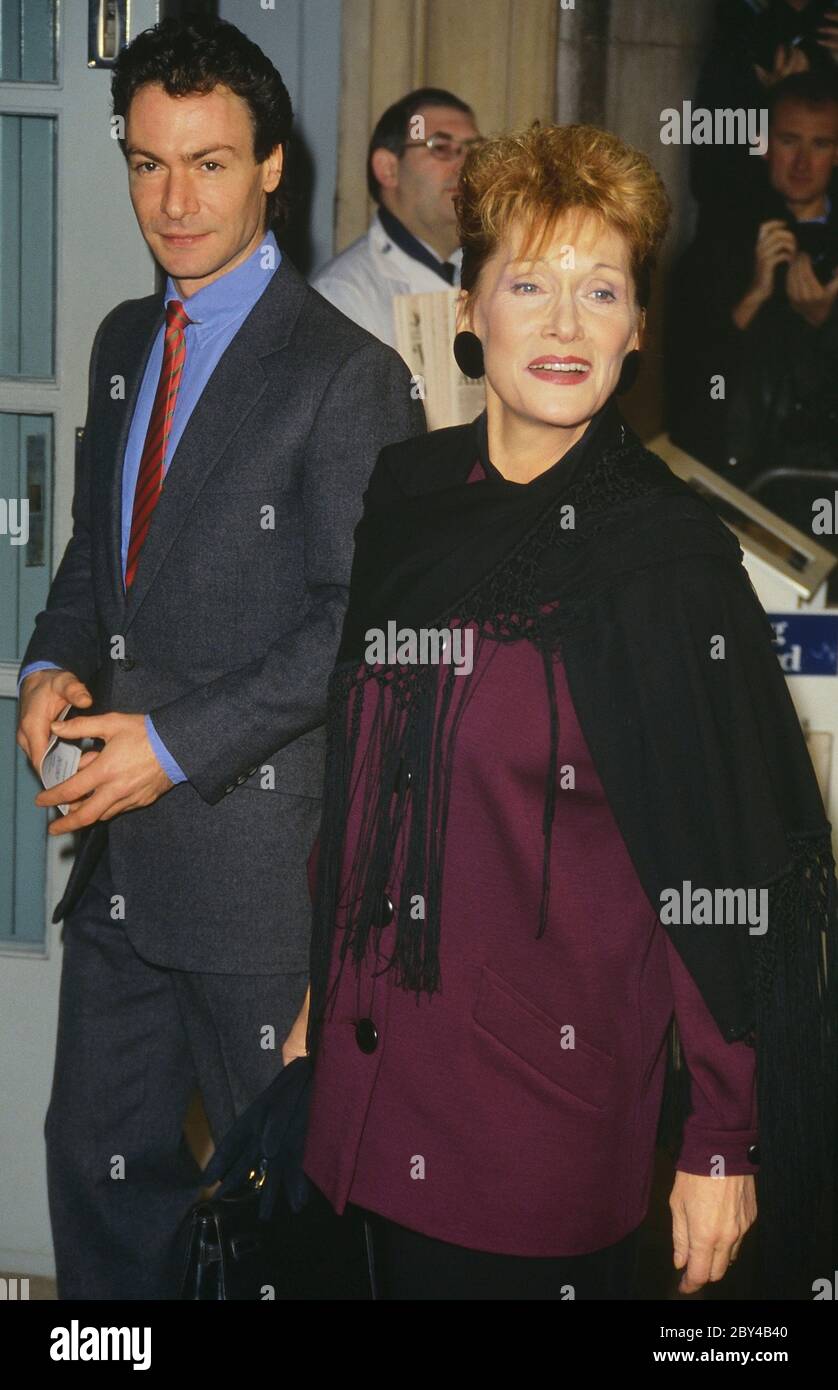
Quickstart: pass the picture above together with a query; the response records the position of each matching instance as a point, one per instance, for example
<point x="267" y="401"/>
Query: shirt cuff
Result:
<point x="172" y="769"/>
<point x="35" y="666"/>
<point x="718" y="1152"/>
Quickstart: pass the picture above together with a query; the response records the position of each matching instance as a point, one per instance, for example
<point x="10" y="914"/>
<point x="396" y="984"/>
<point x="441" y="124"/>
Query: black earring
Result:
<point x="629" y="372"/>
<point x="468" y="354"/>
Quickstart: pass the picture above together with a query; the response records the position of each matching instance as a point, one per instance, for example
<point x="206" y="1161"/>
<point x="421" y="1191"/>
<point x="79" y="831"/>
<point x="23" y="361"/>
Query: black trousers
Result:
<point x="407" y="1265"/>
<point x="134" y="1041"/>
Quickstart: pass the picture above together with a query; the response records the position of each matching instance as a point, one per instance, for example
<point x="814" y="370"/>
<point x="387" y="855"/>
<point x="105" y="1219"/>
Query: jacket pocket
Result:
<point x="582" y="1070"/>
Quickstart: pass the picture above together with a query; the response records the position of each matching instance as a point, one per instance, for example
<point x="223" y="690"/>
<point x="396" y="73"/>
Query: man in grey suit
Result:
<point x="231" y="429"/>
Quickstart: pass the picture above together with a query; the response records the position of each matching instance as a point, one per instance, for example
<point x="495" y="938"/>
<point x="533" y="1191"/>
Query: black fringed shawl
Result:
<point x="614" y="564"/>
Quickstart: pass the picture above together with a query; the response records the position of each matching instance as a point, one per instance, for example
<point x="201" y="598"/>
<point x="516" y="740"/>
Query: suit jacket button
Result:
<point x="387" y="910"/>
<point x="366" y="1035"/>
<point x="753" y="1153"/>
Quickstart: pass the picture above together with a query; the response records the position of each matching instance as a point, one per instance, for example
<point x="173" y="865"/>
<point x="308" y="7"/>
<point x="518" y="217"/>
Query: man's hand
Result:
<point x="709" y="1219"/>
<point x="806" y="295"/>
<point x="295" y="1043"/>
<point x="788" y="59"/>
<point x="43" y="695"/>
<point x="828" y="34"/>
<point x="775" y="243"/>
<point x="122" y="776"/>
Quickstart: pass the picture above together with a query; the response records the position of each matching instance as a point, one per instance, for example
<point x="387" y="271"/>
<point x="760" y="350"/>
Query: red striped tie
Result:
<point x="150" y="476"/>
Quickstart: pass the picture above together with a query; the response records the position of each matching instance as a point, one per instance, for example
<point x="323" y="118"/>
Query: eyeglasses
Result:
<point x="444" y="147"/>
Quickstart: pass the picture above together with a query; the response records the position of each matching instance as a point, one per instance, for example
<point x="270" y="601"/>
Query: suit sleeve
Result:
<point x="65" y="633"/>
<point x="228" y="726"/>
<point x="722" y="1122"/>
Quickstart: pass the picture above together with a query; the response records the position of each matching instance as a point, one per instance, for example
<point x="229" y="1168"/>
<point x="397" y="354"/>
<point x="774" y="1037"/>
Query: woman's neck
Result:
<point x="521" y="448"/>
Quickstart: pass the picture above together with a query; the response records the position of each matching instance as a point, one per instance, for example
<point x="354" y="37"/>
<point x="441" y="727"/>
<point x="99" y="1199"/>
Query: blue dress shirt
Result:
<point x="217" y="312"/>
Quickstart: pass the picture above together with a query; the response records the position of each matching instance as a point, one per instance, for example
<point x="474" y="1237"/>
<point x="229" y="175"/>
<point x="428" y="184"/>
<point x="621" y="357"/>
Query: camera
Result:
<point x="821" y="244"/>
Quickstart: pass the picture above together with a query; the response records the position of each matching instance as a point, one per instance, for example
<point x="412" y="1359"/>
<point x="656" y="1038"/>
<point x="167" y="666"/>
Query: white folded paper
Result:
<point x="60" y="761"/>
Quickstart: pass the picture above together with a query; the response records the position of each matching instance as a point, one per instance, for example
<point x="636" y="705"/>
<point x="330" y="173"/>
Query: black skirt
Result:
<point x="405" y="1264"/>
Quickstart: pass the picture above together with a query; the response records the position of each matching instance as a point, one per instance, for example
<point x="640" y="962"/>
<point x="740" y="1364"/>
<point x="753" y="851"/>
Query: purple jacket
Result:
<point x="516" y="1110"/>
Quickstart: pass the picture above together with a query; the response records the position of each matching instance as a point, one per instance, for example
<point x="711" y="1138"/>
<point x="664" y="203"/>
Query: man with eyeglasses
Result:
<point x="413" y="162"/>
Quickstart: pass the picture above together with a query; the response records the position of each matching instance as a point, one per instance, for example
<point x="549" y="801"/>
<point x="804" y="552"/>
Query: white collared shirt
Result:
<point x="363" y="280"/>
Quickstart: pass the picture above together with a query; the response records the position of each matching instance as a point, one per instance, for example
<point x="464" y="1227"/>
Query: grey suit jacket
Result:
<point x="231" y="627"/>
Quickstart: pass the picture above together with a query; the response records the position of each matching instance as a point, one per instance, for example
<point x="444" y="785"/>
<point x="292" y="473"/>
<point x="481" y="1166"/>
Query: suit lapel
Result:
<point x="232" y="391"/>
<point x="128" y="357"/>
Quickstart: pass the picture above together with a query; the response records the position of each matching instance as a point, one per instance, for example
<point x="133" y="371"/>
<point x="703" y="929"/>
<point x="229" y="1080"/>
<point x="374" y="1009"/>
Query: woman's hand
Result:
<point x="709" y="1219"/>
<point x="295" y="1043"/>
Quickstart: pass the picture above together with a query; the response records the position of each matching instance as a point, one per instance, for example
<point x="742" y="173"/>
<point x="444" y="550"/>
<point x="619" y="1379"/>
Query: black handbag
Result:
<point x="268" y="1232"/>
<point x="230" y="1253"/>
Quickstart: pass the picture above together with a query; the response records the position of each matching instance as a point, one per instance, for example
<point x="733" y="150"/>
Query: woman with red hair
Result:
<point x="600" y="847"/>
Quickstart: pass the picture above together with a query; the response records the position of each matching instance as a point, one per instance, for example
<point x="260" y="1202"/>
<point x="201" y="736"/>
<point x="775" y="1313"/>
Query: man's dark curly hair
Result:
<point x="197" y="55"/>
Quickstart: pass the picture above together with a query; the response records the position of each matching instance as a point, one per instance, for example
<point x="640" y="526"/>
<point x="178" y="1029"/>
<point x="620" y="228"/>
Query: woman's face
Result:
<point x="555" y="330"/>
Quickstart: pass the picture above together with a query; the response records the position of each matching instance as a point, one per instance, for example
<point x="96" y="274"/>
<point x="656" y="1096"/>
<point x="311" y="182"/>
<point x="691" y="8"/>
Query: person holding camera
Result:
<point x="753" y="325"/>
<point x="756" y="44"/>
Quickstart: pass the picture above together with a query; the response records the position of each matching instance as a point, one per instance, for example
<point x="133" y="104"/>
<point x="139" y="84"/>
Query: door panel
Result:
<point x="27" y="246"/>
